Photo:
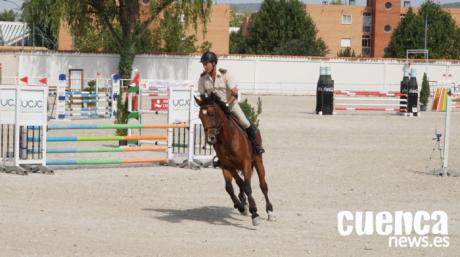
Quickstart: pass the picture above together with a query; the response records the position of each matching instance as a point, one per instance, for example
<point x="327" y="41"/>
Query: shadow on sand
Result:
<point x="214" y="215"/>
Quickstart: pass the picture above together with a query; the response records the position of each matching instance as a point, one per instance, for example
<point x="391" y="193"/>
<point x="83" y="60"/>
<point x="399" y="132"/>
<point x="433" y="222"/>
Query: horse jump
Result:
<point x="371" y="101"/>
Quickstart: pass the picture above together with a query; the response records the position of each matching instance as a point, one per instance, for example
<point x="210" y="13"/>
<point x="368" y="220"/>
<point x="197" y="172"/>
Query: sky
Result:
<point x="10" y="4"/>
<point x="13" y="4"/>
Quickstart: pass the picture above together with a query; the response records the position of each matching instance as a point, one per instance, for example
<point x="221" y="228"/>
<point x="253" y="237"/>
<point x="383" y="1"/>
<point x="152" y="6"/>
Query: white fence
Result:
<point x="254" y="74"/>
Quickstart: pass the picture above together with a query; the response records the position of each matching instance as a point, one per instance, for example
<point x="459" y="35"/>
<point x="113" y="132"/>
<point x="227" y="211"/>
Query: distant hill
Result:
<point x="241" y="8"/>
<point x="452" y="5"/>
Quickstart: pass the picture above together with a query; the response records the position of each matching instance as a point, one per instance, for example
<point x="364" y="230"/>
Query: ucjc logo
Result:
<point x="32" y="104"/>
<point x="181" y="102"/>
<point x="7" y="102"/>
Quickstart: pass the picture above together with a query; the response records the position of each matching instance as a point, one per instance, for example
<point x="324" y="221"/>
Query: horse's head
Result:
<point x="211" y="117"/>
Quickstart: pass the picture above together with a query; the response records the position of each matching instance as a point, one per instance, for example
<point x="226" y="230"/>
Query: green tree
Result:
<point x="346" y="52"/>
<point x="43" y="18"/>
<point x="283" y="27"/>
<point x="425" y="91"/>
<point x="236" y="19"/>
<point x="121" y="19"/>
<point x="443" y="36"/>
<point x="237" y="43"/>
<point x="205" y="46"/>
<point x="94" y="41"/>
<point x="304" y="46"/>
<point x="408" y="35"/>
<point x="7" y="15"/>
<point x="172" y="34"/>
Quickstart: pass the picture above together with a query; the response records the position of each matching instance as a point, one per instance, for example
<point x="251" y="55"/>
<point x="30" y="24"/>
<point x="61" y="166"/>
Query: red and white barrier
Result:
<point x="370" y="109"/>
<point x="369" y="93"/>
<point x="370" y="101"/>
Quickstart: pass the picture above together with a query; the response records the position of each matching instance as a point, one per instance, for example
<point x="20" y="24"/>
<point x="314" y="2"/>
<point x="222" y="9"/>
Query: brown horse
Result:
<point x="235" y="153"/>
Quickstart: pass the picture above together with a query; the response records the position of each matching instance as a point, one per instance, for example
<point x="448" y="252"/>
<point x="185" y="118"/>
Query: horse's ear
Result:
<point x="198" y="101"/>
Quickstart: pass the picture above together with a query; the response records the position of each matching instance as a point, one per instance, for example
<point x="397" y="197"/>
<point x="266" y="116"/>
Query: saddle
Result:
<point x="234" y="119"/>
<point x="231" y="116"/>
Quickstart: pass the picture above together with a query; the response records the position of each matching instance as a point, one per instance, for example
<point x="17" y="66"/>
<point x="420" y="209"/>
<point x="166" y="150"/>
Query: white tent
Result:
<point x="13" y="33"/>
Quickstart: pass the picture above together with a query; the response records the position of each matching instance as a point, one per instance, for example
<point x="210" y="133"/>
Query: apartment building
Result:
<point x="365" y="29"/>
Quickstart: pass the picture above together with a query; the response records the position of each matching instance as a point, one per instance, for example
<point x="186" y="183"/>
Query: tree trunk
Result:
<point x="125" y="66"/>
<point x="127" y="55"/>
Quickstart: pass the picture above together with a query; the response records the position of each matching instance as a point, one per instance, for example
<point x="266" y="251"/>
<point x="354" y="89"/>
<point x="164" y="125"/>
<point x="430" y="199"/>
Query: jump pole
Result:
<point x="108" y="161"/>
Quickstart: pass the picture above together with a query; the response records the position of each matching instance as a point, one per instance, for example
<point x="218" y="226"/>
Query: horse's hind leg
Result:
<point x="241" y="195"/>
<point x="264" y="187"/>
<point x="229" y="188"/>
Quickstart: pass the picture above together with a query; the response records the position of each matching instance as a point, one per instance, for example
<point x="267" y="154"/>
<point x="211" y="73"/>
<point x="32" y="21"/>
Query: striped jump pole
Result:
<point x="86" y="109"/>
<point x="369" y="93"/>
<point x="371" y="101"/>
<point x="106" y="161"/>
<point x="369" y="109"/>
<point x="84" y="94"/>
<point x="100" y="138"/>
<point x="79" y="101"/>
<point x="104" y="149"/>
<point x="67" y="100"/>
<point x="116" y="126"/>
<point x="165" y="94"/>
<point x="87" y="114"/>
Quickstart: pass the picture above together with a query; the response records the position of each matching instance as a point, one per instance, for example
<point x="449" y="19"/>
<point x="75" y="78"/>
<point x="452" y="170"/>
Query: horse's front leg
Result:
<point x="247" y="172"/>
<point x="241" y="195"/>
<point x="229" y="188"/>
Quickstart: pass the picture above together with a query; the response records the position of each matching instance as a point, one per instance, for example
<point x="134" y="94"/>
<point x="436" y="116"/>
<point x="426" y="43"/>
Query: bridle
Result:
<point x="214" y="125"/>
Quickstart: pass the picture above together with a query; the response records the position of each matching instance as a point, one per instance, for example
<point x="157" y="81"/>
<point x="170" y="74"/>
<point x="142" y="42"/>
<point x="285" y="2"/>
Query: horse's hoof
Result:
<point x="271" y="216"/>
<point x="256" y="221"/>
<point x="243" y="210"/>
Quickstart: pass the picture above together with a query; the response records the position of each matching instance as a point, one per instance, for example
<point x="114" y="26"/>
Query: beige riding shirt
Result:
<point x="221" y="86"/>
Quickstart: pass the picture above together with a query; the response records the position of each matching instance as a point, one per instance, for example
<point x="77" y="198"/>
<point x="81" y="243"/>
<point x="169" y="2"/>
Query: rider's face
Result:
<point x="208" y="67"/>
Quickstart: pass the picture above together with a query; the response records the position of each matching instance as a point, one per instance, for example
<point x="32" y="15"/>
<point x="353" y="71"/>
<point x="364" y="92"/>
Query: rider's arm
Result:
<point x="233" y="97"/>
<point x="201" y="86"/>
<point x="233" y="89"/>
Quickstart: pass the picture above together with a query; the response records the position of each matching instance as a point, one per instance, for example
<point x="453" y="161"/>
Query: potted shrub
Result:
<point x="424" y="93"/>
<point x="91" y="89"/>
<point x="250" y="112"/>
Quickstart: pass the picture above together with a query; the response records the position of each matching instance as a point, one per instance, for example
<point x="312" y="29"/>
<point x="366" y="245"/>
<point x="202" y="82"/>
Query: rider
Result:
<point x="221" y="83"/>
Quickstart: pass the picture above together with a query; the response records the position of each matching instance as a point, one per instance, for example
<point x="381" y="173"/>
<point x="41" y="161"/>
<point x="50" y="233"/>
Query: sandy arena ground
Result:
<point x="316" y="167"/>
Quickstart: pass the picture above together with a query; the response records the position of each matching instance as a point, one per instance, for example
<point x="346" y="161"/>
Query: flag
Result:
<point x="136" y="79"/>
<point x="25" y="79"/>
<point x="43" y="81"/>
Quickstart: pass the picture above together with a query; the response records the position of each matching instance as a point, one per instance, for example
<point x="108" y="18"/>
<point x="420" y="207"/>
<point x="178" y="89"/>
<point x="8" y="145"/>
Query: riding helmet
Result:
<point x="209" y="57"/>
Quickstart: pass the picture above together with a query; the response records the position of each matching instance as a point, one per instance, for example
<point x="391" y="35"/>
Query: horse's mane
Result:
<point x="214" y="99"/>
